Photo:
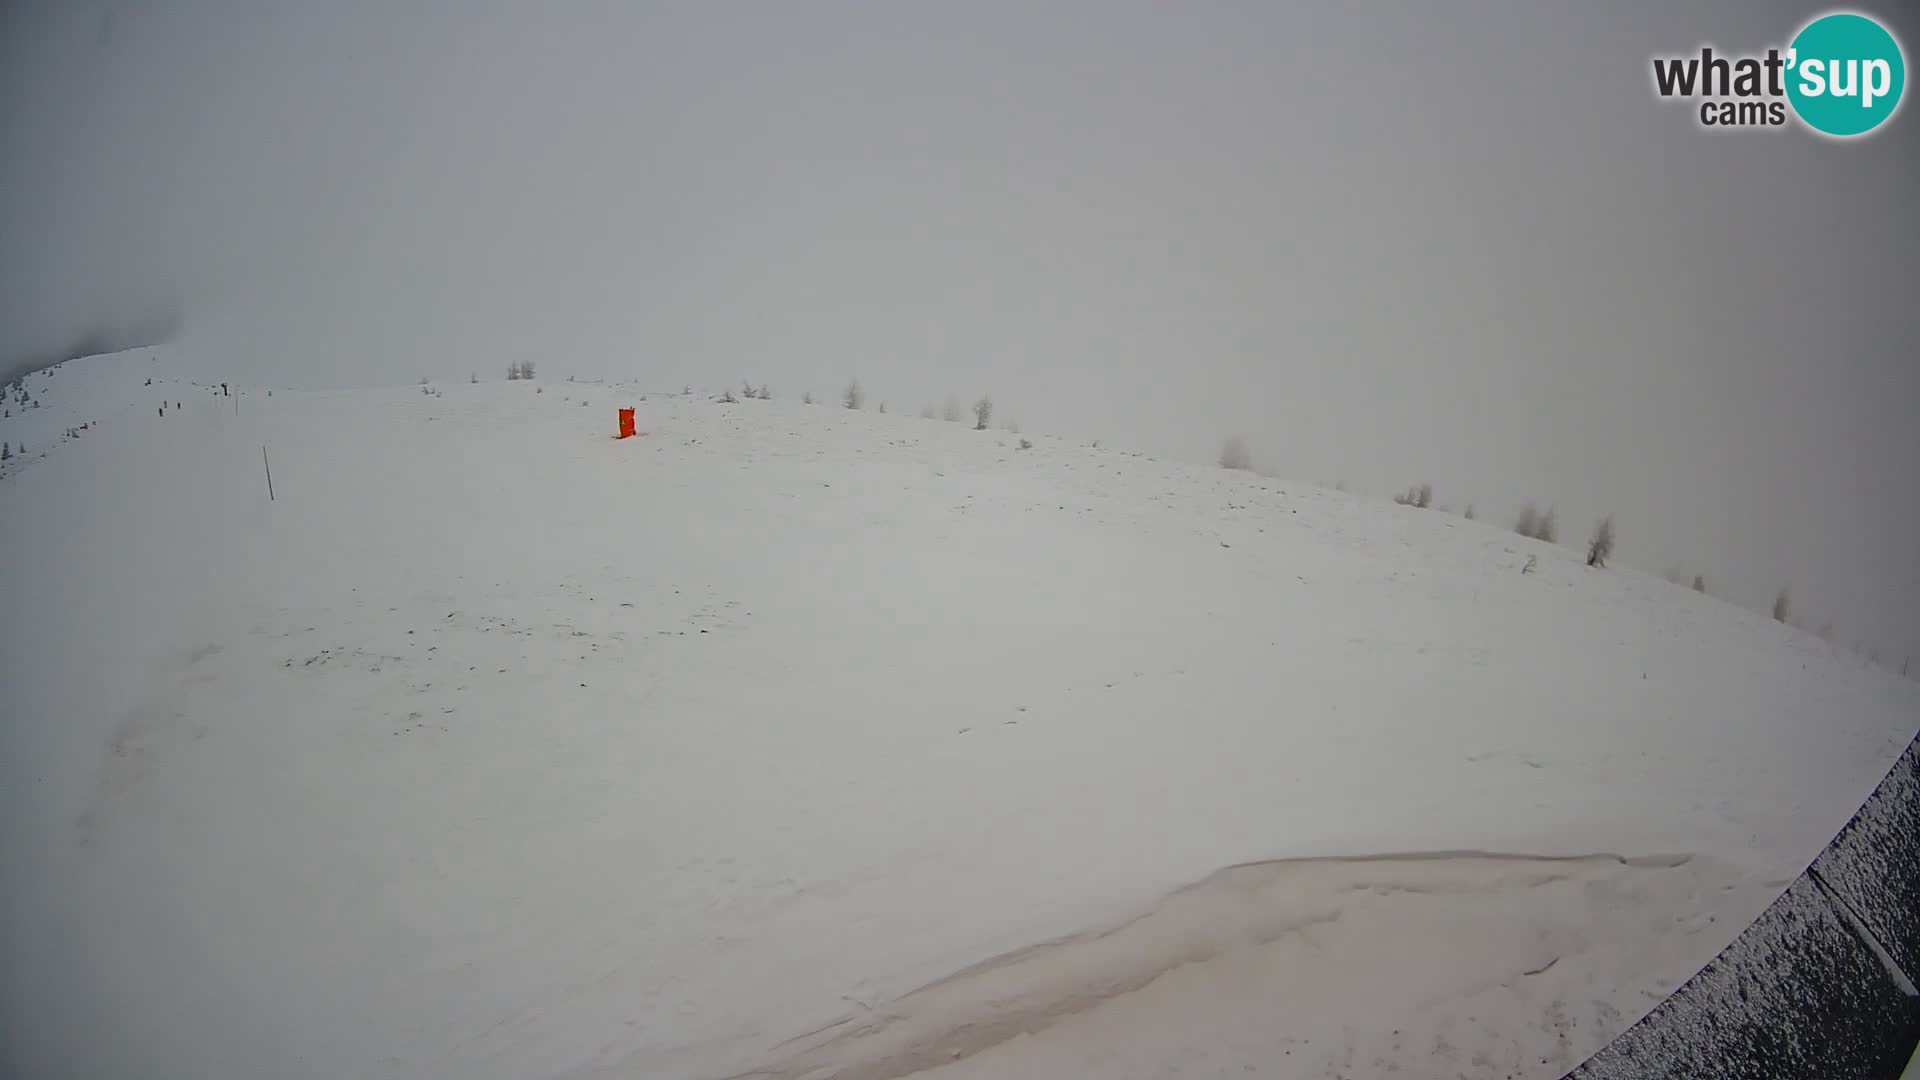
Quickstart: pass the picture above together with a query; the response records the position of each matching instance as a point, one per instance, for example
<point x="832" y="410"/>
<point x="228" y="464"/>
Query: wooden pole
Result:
<point x="269" y="466"/>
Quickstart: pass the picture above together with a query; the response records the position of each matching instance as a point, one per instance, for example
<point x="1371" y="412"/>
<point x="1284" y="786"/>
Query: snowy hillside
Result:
<point x="789" y="741"/>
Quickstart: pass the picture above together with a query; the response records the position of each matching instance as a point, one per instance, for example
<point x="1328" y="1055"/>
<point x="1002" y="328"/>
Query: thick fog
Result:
<point x="1461" y="244"/>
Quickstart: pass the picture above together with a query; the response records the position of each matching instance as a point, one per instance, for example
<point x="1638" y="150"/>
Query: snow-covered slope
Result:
<point x="788" y="741"/>
<point x="43" y="409"/>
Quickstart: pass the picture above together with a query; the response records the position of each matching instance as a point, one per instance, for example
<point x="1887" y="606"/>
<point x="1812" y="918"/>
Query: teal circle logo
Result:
<point x="1845" y="74"/>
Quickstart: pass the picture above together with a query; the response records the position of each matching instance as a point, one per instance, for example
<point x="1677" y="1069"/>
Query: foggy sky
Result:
<point x="1458" y="243"/>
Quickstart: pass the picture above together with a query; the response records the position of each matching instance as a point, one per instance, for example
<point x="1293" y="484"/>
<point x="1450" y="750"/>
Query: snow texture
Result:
<point x="810" y="742"/>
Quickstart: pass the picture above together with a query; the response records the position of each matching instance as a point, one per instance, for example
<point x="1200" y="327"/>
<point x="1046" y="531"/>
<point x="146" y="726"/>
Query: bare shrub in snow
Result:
<point x="982" y="412"/>
<point x="766" y="393"/>
<point x="806" y="398"/>
<point x="727" y="398"/>
<point x="474" y="378"/>
<point x="952" y="412"/>
<point x="1469" y="514"/>
<point x="1549" y="527"/>
<point x="1780" y="607"/>
<point x="1535" y="525"/>
<point x="1026" y="444"/>
<point x="926" y="411"/>
<point x="1419" y="496"/>
<point x="6" y="451"/>
<point x="854" y="396"/>
<point x="1528" y="519"/>
<point x="1600" y="547"/>
<point x="1699" y="583"/>
<point x="526" y="369"/>
<point x="1234" y="454"/>
<point x="883" y="406"/>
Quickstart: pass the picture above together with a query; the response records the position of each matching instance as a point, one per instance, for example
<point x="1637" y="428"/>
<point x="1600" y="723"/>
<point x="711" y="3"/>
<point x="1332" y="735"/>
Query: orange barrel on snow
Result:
<point x="626" y="424"/>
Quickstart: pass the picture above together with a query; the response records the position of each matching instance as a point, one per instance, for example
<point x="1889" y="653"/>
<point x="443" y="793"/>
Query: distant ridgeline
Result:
<point x="1821" y="985"/>
<point x="134" y="335"/>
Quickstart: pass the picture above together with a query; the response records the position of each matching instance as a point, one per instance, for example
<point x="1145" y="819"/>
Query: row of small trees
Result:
<point x="1531" y="522"/>
<point x="1534" y="523"/>
<point x="748" y="391"/>
<point x="855" y="397"/>
<point x="1545" y="526"/>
